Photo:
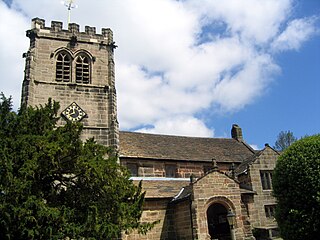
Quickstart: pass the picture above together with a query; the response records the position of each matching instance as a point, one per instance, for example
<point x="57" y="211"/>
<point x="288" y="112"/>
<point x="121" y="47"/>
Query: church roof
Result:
<point x="242" y="168"/>
<point x="246" y="163"/>
<point x="165" y="188"/>
<point x="167" y="147"/>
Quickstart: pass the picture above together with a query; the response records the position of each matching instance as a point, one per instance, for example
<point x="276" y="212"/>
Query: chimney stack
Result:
<point x="236" y="133"/>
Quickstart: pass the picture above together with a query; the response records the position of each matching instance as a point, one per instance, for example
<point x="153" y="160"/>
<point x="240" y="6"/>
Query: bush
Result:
<point x="296" y="185"/>
<point x="54" y="186"/>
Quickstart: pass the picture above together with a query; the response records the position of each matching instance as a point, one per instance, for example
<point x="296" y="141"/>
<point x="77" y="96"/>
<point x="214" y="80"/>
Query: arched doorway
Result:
<point x="218" y="225"/>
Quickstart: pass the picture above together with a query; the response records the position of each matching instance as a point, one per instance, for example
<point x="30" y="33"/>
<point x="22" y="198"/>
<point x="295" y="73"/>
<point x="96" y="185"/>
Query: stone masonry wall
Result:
<point x="97" y="99"/>
<point x="266" y="161"/>
<point x="175" y="221"/>
<point x="182" y="220"/>
<point x="154" y="210"/>
<point x="184" y="169"/>
<point x="216" y="187"/>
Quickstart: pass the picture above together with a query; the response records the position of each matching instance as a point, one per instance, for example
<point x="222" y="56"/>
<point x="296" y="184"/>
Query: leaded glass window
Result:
<point x="266" y="179"/>
<point x="270" y="210"/>
<point x="170" y="171"/>
<point x="133" y="169"/>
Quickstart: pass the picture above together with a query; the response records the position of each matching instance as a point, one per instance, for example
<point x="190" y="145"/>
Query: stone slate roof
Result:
<point x="162" y="189"/>
<point x="242" y="168"/>
<point x="166" y="147"/>
<point x="184" y="193"/>
<point x="246" y="163"/>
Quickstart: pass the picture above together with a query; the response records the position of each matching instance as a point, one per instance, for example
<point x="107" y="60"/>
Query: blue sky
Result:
<point x="195" y="67"/>
<point x="292" y="101"/>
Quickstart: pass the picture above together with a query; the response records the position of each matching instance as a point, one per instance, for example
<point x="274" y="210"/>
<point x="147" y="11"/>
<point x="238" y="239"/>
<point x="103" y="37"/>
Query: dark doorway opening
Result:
<point x="218" y="225"/>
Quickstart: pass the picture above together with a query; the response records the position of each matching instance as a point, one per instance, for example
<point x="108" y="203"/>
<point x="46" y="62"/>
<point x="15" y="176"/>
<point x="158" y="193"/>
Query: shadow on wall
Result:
<point x="168" y="229"/>
<point x="177" y="221"/>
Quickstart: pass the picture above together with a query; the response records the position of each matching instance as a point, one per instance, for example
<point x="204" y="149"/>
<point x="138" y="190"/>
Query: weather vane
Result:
<point x="70" y="5"/>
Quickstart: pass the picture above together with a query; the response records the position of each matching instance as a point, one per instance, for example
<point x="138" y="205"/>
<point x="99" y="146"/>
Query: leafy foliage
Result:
<point x="296" y="186"/>
<point x="54" y="186"/>
<point x="284" y="140"/>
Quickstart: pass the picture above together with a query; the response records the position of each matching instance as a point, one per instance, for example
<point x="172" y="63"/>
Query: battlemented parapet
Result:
<point x="73" y="67"/>
<point x="56" y="30"/>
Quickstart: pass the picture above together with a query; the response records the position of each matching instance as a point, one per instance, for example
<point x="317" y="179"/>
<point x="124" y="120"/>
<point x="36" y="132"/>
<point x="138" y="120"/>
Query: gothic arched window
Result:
<point x="82" y="69"/>
<point x="63" y="67"/>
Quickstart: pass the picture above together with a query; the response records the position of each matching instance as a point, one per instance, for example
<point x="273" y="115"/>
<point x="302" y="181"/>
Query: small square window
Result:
<point x="133" y="169"/>
<point x="171" y="171"/>
<point x="270" y="210"/>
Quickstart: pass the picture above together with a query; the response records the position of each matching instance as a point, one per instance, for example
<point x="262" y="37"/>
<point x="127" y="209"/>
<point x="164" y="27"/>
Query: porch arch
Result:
<point x="217" y="209"/>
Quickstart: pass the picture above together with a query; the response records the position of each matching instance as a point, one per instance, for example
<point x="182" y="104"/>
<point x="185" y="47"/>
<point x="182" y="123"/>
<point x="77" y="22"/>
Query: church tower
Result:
<point x="77" y="70"/>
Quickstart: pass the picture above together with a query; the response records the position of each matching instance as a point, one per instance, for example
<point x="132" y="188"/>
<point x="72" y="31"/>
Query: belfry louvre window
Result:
<point x="82" y="69"/>
<point x="63" y="67"/>
<point x="266" y="179"/>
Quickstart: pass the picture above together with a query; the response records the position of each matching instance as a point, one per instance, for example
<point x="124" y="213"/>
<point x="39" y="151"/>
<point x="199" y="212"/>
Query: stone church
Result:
<point x="199" y="188"/>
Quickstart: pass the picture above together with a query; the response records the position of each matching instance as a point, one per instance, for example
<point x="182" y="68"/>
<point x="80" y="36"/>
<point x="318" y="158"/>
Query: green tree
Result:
<point x="284" y="140"/>
<point x="54" y="186"/>
<point x="296" y="185"/>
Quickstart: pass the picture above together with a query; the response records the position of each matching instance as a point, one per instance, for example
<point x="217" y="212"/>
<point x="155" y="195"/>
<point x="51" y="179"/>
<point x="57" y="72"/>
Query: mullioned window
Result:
<point x="266" y="179"/>
<point x="66" y="66"/>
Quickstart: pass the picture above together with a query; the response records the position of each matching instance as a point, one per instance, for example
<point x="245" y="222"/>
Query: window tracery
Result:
<point x="63" y="67"/>
<point x="82" y="69"/>
<point x="70" y="69"/>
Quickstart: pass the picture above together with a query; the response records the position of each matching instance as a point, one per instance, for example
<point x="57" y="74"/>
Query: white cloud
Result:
<point x="167" y="68"/>
<point x="12" y="44"/>
<point x="253" y="20"/>
<point x="249" y="82"/>
<point x="297" y="32"/>
<point x="180" y="125"/>
<point x="255" y="146"/>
